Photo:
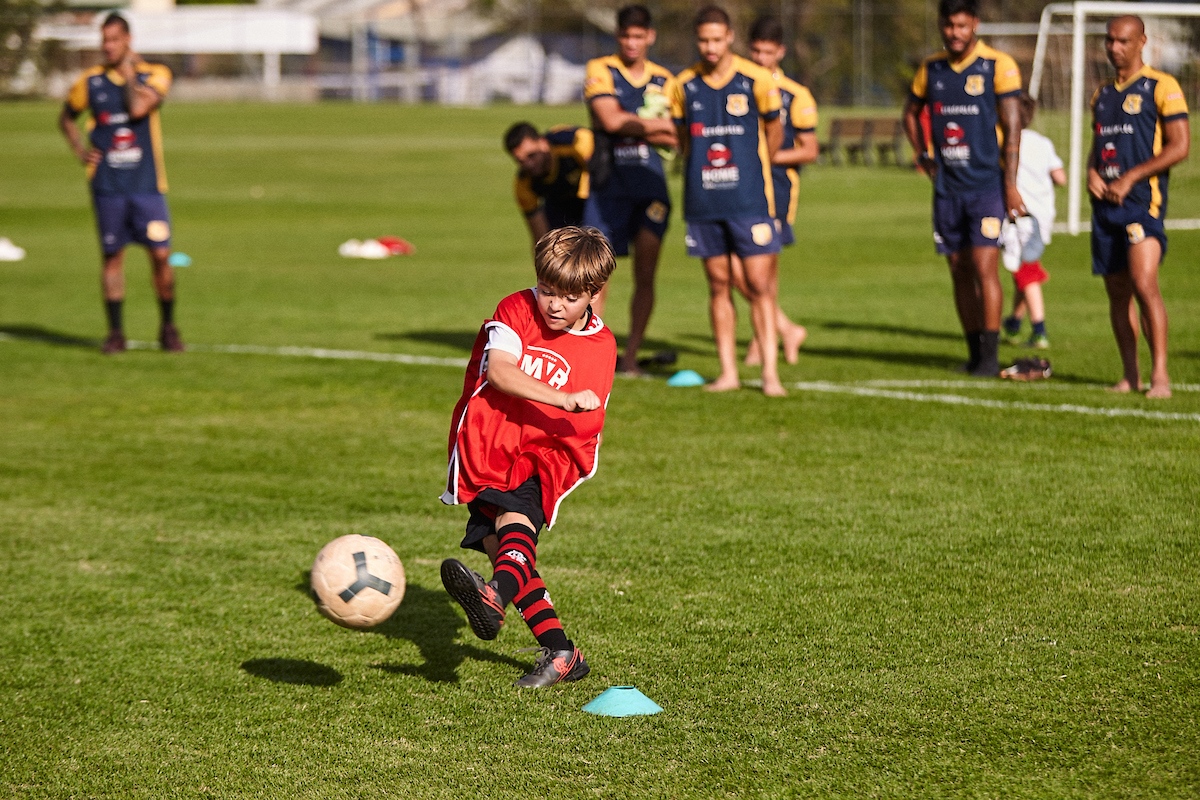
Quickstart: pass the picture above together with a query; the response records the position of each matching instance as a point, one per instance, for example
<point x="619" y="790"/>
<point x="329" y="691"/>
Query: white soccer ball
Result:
<point x="358" y="581"/>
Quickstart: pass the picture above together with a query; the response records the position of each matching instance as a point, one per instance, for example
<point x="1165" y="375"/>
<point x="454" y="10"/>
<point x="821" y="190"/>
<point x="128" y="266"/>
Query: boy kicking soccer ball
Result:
<point x="525" y="433"/>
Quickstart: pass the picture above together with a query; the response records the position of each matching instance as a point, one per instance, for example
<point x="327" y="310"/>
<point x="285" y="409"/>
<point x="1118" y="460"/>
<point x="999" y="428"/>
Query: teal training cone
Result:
<point x="179" y="260"/>
<point x="622" y="701"/>
<point x="686" y="377"/>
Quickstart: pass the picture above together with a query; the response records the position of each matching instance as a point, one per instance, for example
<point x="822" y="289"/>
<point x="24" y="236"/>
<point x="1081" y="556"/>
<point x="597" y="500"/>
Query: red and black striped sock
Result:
<point x="514" y="560"/>
<point x="538" y="612"/>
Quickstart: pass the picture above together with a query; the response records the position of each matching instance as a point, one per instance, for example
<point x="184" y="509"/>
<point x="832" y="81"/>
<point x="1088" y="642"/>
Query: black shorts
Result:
<point x="525" y="499"/>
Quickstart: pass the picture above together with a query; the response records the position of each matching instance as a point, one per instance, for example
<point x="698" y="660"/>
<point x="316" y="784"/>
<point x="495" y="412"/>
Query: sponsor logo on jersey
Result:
<point x="990" y="227"/>
<point x="1135" y="232"/>
<point x="158" y="231"/>
<point x="738" y="105"/>
<point x="631" y="151"/>
<point x="1110" y="167"/>
<point x="1132" y="104"/>
<point x="1114" y="130"/>
<point x="967" y="110"/>
<point x="125" y="154"/>
<point x="974" y="85"/>
<point x="721" y="172"/>
<point x="700" y="130"/>
<point x="953" y="133"/>
<point x="718" y="154"/>
<point x="546" y="366"/>
<point x="763" y="233"/>
<point x="109" y="118"/>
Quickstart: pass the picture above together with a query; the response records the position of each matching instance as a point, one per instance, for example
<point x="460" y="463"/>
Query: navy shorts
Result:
<point x="139" y="218"/>
<point x="620" y="217"/>
<point x="967" y="220"/>
<point x="525" y="499"/>
<point x="752" y="236"/>
<point x="1114" y="229"/>
<point x="787" y="236"/>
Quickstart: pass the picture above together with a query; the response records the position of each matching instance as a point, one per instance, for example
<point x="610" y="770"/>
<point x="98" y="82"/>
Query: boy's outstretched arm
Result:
<point x="504" y="373"/>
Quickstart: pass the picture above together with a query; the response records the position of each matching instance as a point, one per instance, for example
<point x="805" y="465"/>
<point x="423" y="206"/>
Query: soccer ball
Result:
<point x="358" y="581"/>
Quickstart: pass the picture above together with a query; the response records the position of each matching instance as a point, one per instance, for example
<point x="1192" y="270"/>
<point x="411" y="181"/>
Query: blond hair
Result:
<point x="574" y="260"/>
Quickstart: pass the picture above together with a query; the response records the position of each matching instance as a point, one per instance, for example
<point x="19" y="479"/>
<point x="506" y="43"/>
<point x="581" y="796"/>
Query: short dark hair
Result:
<point x="948" y="8"/>
<point x="115" y="19"/>
<point x="633" y="17"/>
<point x="519" y="133"/>
<point x="712" y="15"/>
<point x="767" y="29"/>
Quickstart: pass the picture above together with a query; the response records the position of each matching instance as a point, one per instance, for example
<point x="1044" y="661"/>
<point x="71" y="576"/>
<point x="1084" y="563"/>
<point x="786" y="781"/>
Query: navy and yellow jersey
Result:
<point x="561" y="192"/>
<point x="132" y="148"/>
<point x="637" y="167"/>
<point x="727" y="169"/>
<point x="799" y="115"/>
<point x="962" y="99"/>
<point x="1128" y="122"/>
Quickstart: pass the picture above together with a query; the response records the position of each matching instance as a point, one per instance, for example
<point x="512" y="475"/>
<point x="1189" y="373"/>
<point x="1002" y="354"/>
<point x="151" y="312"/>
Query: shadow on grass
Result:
<point x="292" y="670"/>
<point x="429" y="619"/>
<point x="36" y="333"/>
<point x="898" y="330"/>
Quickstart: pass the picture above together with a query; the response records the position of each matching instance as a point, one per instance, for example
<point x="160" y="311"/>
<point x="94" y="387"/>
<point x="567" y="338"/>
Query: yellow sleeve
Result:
<point x="674" y="91"/>
<point x="77" y="98"/>
<point x="527" y="201"/>
<point x="585" y="145"/>
<point x="804" y="110"/>
<point x="158" y="78"/>
<point x="921" y="81"/>
<point x="1008" y="75"/>
<point x="766" y="94"/>
<point x="598" y="81"/>
<point x="1169" y="98"/>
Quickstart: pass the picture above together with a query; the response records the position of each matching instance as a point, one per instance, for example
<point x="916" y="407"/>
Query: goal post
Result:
<point x="1080" y="13"/>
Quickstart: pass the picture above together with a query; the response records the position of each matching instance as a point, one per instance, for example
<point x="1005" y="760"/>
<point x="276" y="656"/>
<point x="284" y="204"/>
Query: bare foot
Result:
<point x="630" y="369"/>
<point x="792" y="340"/>
<point x="723" y="384"/>
<point x="774" y="389"/>
<point x="753" y="355"/>
<point x="1160" y="391"/>
<point x="1122" y="387"/>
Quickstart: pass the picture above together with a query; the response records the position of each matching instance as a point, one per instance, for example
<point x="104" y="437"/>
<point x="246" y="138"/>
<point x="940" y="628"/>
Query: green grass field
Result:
<point x="892" y="583"/>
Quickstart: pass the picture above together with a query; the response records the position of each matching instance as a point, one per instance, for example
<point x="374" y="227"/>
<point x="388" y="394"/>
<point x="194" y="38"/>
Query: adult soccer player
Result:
<point x="124" y="160"/>
<point x="798" y="114"/>
<point x="726" y="109"/>
<point x="969" y="88"/>
<point x="626" y="95"/>
<point x="552" y="178"/>
<point x="1140" y="131"/>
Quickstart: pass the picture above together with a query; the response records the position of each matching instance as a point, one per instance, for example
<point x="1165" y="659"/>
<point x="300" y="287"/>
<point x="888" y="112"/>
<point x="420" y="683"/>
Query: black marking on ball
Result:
<point x="365" y="580"/>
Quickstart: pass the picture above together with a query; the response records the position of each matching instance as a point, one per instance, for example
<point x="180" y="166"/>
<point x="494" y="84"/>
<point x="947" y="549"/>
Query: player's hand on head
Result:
<point x="587" y="400"/>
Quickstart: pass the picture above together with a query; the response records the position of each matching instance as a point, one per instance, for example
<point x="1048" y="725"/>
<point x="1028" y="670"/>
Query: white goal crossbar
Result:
<point x="1079" y="13"/>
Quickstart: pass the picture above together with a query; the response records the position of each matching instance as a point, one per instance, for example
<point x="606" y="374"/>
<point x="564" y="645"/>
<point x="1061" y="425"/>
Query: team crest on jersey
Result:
<point x="656" y="212"/>
<point x="990" y="227"/>
<point x="737" y="105"/>
<point x="546" y="366"/>
<point x="1132" y="104"/>
<point x="974" y="85"/>
<point x="763" y="233"/>
<point x="1135" y="232"/>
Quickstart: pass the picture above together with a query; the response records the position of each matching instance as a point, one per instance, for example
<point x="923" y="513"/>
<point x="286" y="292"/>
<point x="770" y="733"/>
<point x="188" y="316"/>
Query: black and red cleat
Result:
<point x="115" y="343"/>
<point x="555" y="666"/>
<point x="480" y="600"/>
<point x="169" y="339"/>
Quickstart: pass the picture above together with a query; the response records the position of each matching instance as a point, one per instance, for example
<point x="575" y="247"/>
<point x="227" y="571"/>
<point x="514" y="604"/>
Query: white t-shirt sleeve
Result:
<point x="502" y="337"/>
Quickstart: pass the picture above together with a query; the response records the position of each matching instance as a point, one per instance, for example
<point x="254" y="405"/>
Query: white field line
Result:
<point x="1016" y="405"/>
<point x="1171" y="225"/>
<point x="886" y="389"/>
<point x="985" y="385"/>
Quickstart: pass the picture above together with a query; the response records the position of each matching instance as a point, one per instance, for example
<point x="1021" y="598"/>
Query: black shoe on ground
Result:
<point x="480" y="600"/>
<point x="555" y="666"/>
<point x="169" y="339"/>
<point x="115" y="343"/>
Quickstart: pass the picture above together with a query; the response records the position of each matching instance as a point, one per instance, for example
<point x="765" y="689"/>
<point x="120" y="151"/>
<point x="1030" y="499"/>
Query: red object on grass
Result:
<point x="397" y="246"/>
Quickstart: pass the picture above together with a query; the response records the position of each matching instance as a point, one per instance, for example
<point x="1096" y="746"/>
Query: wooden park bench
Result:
<point x="865" y="140"/>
